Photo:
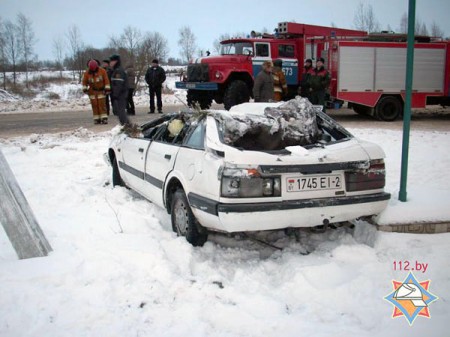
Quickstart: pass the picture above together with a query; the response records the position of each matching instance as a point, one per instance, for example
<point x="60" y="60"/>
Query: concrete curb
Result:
<point x="417" y="228"/>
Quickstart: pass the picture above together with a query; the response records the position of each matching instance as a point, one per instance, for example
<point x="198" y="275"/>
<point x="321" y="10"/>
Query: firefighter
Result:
<point x="279" y="81"/>
<point x="318" y="84"/>
<point x="105" y="65"/>
<point x="96" y="84"/>
<point x="263" y="90"/>
<point x="303" y="89"/>
<point x="119" y="89"/>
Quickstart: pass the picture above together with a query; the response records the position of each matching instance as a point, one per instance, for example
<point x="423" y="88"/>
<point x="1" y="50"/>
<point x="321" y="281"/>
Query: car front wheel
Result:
<point x="183" y="220"/>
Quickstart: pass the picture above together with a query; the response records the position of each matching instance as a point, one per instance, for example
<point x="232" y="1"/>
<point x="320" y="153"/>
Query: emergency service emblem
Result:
<point x="411" y="298"/>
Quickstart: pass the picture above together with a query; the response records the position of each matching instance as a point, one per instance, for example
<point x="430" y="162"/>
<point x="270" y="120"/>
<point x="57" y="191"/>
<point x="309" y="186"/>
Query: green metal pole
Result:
<point x="402" y="196"/>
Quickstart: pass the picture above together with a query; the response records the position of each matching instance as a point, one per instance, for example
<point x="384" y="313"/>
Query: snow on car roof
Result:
<point x="253" y="108"/>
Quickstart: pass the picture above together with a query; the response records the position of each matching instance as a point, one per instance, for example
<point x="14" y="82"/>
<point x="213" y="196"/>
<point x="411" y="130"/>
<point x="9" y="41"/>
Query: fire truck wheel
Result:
<point x="388" y="108"/>
<point x="201" y="98"/>
<point x="236" y="93"/>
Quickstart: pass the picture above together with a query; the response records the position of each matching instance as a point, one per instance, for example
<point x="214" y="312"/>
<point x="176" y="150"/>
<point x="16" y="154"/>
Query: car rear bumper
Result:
<point x="297" y="213"/>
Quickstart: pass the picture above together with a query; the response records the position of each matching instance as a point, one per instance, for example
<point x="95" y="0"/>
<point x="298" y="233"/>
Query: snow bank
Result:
<point x="117" y="268"/>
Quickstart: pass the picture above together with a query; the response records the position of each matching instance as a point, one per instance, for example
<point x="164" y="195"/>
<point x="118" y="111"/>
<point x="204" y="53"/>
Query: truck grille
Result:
<point x="198" y="72"/>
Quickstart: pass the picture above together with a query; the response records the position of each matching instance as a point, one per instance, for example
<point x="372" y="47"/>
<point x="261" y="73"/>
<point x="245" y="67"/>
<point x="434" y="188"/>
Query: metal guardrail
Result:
<point x="17" y="218"/>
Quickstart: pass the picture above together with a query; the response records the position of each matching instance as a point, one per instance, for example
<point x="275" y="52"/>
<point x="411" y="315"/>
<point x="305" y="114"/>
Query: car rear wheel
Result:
<point x="236" y="93"/>
<point x="183" y="220"/>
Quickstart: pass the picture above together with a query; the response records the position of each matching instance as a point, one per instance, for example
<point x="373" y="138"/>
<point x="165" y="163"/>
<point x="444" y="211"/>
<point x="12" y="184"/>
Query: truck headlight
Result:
<point x="248" y="183"/>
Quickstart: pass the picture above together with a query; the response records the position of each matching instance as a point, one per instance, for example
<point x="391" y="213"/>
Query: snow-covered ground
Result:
<point x="117" y="269"/>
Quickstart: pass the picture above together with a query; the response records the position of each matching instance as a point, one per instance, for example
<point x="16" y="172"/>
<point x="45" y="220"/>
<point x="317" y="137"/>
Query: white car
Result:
<point x="259" y="166"/>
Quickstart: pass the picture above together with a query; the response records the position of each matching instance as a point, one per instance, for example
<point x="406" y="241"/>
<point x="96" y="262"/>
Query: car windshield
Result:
<point x="236" y="48"/>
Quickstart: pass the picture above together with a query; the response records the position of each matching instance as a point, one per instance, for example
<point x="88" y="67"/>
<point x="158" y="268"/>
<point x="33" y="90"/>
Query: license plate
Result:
<point x="190" y="85"/>
<point x="314" y="183"/>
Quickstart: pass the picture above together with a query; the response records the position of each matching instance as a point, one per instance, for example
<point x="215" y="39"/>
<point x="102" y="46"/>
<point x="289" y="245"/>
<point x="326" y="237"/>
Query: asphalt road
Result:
<point x="22" y="124"/>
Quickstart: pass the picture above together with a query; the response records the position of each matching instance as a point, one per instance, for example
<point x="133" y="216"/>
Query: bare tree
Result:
<point x="58" y="52"/>
<point x="187" y="43"/>
<point x="154" y="46"/>
<point x="76" y="48"/>
<point x="216" y="43"/>
<point x="131" y="39"/>
<point x="404" y="24"/>
<point x="26" y="39"/>
<point x="436" y="31"/>
<point x="421" y="28"/>
<point x="12" y="46"/>
<point x="139" y="48"/>
<point x="226" y="36"/>
<point x="364" y="19"/>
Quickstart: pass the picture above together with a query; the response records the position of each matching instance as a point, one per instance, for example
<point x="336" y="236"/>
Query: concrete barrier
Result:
<point x="18" y="219"/>
<point x="417" y="228"/>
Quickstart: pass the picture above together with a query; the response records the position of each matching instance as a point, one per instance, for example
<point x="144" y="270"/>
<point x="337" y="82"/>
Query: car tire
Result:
<point x="116" y="178"/>
<point x="236" y="93"/>
<point x="184" y="222"/>
<point x="388" y="108"/>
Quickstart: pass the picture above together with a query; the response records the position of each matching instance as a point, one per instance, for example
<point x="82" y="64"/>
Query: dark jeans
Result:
<point x="119" y="105"/>
<point x="130" y="103"/>
<point x="155" y="91"/>
<point x="318" y="98"/>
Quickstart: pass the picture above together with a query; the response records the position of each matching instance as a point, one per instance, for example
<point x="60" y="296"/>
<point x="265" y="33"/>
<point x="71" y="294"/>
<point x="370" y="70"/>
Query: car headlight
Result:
<point x="249" y="183"/>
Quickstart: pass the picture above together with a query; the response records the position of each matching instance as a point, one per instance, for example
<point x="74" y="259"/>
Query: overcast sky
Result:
<point x="208" y="19"/>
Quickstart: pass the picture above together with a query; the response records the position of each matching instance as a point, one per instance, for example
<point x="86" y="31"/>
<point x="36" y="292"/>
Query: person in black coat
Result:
<point x="119" y="89"/>
<point x="155" y="77"/>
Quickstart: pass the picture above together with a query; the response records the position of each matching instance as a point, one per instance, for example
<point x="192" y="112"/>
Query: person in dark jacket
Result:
<point x="119" y="89"/>
<point x="318" y="83"/>
<point x="263" y="89"/>
<point x="303" y="89"/>
<point x="131" y="86"/>
<point x="155" y="77"/>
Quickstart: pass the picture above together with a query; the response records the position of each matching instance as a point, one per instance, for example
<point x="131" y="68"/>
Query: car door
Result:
<point x="160" y="160"/>
<point x="134" y="151"/>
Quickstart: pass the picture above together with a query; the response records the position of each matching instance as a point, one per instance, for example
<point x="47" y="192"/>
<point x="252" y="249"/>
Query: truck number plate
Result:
<point x="314" y="183"/>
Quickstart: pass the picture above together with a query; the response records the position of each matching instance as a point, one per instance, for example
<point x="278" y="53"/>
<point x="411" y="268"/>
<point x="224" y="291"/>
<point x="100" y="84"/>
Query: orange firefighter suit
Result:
<point x="96" y="84"/>
<point x="279" y="84"/>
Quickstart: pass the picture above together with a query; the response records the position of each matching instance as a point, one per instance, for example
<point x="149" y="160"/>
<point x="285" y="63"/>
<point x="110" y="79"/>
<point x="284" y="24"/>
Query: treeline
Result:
<point x="17" y="42"/>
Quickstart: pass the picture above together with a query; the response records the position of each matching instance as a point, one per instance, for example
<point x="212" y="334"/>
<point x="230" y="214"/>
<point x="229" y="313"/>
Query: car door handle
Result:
<point x="141" y="150"/>
<point x="167" y="156"/>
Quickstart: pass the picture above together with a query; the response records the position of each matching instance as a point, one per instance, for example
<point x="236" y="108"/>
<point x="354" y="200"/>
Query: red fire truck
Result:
<point x="368" y="71"/>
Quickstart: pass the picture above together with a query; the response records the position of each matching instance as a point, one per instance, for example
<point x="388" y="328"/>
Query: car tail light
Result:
<point x="248" y="183"/>
<point x="371" y="178"/>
